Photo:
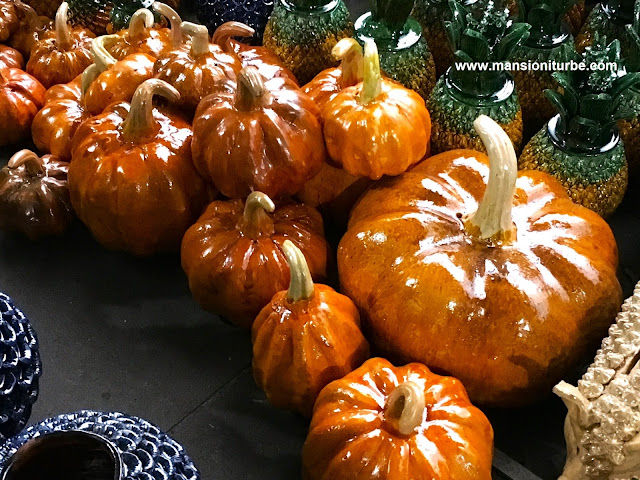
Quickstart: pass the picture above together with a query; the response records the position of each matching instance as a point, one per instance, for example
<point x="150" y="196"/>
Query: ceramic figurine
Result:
<point x="91" y="14"/>
<point x="606" y="19"/>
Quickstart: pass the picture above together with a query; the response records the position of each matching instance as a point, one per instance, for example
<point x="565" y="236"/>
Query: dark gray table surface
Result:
<point x="123" y="334"/>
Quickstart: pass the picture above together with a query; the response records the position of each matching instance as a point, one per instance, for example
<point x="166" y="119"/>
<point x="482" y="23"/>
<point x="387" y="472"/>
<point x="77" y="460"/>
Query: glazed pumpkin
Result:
<point x="46" y="8"/>
<point x="397" y="423"/>
<point x="233" y="255"/>
<point x="31" y="28"/>
<point x="21" y="96"/>
<point x="474" y="269"/>
<point x="141" y="37"/>
<point x="306" y="337"/>
<point x="10" y="58"/>
<point x="9" y="21"/>
<point x="194" y="72"/>
<point x="34" y="195"/>
<point x="268" y="64"/>
<point x="257" y="135"/>
<point x="131" y="178"/>
<point x="118" y="80"/>
<point x="377" y="127"/>
<point x="64" y="111"/>
<point x="62" y="54"/>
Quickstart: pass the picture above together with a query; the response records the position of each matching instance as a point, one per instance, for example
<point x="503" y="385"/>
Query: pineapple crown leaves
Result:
<point x="484" y="34"/>
<point x="546" y="17"/>
<point x="631" y="44"/>
<point x="392" y="13"/>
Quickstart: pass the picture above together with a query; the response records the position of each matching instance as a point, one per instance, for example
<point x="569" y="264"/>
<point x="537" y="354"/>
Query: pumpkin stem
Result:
<point x="492" y="220"/>
<point x="63" y="36"/>
<point x="255" y="220"/>
<point x="200" y="38"/>
<point x="405" y="408"/>
<point x="225" y="32"/>
<point x="372" y="78"/>
<point x="88" y="76"/>
<point x="349" y="52"/>
<point x="140" y="121"/>
<point x="175" y="22"/>
<point x="101" y="56"/>
<point x="141" y="20"/>
<point x="251" y="91"/>
<point x="33" y="164"/>
<point x="301" y="285"/>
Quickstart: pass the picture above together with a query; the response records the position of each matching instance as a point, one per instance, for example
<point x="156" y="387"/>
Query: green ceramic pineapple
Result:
<point x="607" y="18"/>
<point x="581" y="145"/>
<point x="404" y="54"/>
<point x="484" y="36"/>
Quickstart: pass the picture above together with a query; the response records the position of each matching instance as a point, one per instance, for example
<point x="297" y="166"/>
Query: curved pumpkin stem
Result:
<point x="492" y="220"/>
<point x="349" y="52"/>
<point x="301" y="286"/>
<point x="101" y="56"/>
<point x="175" y="21"/>
<point x="88" y="76"/>
<point x="63" y="35"/>
<point x="255" y="221"/>
<point x="140" y="121"/>
<point x="225" y="32"/>
<point x="405" y="407"/>
<point x="31" y="161"/>
<point x="141" y="20"/>
<point x="252" y="92"/>
<point x="200" y="38"/>
<point x="372" y="78"/>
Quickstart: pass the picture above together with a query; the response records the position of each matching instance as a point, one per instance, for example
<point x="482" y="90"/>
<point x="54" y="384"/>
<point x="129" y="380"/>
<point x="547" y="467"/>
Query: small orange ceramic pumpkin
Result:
<point x="64" y="111"/>
<point x="10" y="58"/>
<point x="377" y="127"/>
<point x="396" y="423"/>
<point x="118" y="80"/>
<point x="306" y="337"/>
<point x="142" y="37"/>
<point x="233" y="255"/>
<point x="194" y="72"/>
<point x="268" y="64"/>
<point x="62" y="54"/>
<point x="21" y="96"/>
<point x="32" y="28"/>
<point x="45" y="8"/>
<point x="258" y="135"/>
<point x="9" y="20"/>
<point x="474" y="269"/>
<point x="34" y="195"/>
<point x="131" y="177"/>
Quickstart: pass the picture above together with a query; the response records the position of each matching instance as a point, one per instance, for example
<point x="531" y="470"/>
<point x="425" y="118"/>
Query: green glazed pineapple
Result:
<point x="461" y="95"/>
<point x="549" y="40"/>
<point x="404" y="54"/>
<point x="303" y="33"/>
<point x="608" y="19"/>
<point x="581" y="145"/>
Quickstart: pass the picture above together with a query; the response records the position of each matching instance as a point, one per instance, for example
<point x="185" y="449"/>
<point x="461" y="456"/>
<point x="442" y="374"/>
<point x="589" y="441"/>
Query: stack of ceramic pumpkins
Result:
<point x="168" y="138"/>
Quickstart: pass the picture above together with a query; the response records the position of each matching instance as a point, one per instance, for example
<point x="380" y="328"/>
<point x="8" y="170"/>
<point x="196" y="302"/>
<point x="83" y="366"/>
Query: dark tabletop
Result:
<point x="123" y="334"/>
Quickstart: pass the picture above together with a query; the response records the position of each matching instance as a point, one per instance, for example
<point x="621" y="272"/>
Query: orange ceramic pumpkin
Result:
<point x="377" y="127"/>
<point x="62" y="54"/>
<point x="196" y="70"/>
<point x="34" y="195"/>
<point x="31" y="28"/>
<point x="64" y="111"/>
<point x="268" y="64"/>
<point x="258" y="135"/>
<point x="118" y="80"/>
<point x="474" y="269"/>
<point x="10" y="58"/>
<point x="397" y="423"/>
<point x="306" y="337"/>
<point x="131" y="177"/>
<point x="141" y="37"/>
<point x="9" y="21"/>
<point x="21" y="96"/>
<point x="233" y="255"/>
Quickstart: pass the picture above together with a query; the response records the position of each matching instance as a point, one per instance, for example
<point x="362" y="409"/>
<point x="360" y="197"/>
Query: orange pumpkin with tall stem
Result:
<point x="131" y="177"/>
<point x="55" y="125"/>
<point x="306" y="337"/>
<point x="268" y="64"/>
<point x="21" y="96"/>
<point x="10" y="58"/>
<point x="397" y="423"/>
<point x="9" y="20"/>
<point x="258" y="135"/>
<point x="233" y="254"/>
<point x="141" y="37"/>
<point x="32" y="27"/>
<point x="62" y="54"/>
<point x="175" y="23"/>
<point x="377" y="127"/>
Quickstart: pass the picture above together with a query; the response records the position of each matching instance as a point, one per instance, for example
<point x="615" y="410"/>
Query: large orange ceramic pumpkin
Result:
<point x="21" y="96"/>
<point x="397" y="423"/>
<point x="493" y="276"/>
<point x="306" y="337"/>
<point x="32" y="27"/>
<point x="131" y="178"/>
<point x="233" y="254"/>
<point x="9" y="21"/>
<point x="10" y="58"/>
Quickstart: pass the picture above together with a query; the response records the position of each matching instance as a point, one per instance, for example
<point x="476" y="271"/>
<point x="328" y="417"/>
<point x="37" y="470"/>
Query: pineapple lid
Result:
<point x="546" y="17"/>
<point x="630" y="41"/>
<point x="389" y="23"/>
<point x="619" y="11"/>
